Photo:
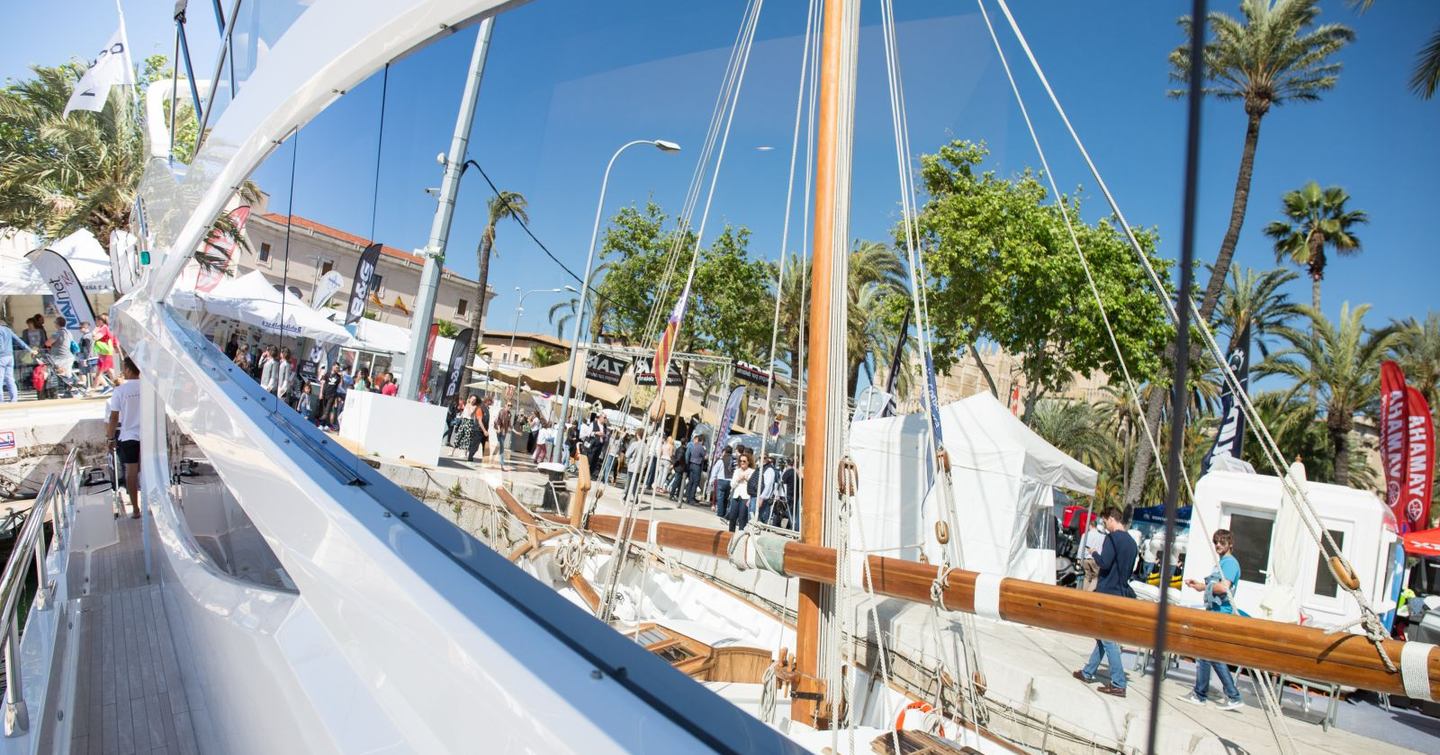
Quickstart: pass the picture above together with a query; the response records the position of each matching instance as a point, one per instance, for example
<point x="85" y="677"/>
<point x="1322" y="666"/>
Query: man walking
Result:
<point x="769" y="476"/>
<point x="1219" y="589"/>
<point x="694" y="466"/>
<point x="329" y="391"/>
<point x="124" y="430"/>
<point x="1116" y="560"/>
<point x="8" y="339"/>
<point x="720" y="480"/>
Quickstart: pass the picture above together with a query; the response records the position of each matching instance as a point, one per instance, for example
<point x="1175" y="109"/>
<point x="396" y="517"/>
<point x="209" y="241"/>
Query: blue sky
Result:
<point x="570" y="80"/>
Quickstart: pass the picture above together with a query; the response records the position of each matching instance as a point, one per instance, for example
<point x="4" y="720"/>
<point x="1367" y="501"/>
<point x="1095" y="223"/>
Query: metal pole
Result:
<point x="434" y="252"/>
<point x="17" y="719"/>
<point x="584" y="290"/>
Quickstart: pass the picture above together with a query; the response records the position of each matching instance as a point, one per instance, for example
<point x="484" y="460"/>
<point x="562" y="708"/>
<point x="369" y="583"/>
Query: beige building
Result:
<point x="315" y="248"/>
<point x="965" y="379"/>
<point x="519" y="352"/>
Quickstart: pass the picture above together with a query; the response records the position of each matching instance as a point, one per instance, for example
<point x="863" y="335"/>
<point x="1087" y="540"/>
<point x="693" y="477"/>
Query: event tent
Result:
<point x="1003" y="476"/>
<point x="86" y="256"/>
<point x="253" y="300"/>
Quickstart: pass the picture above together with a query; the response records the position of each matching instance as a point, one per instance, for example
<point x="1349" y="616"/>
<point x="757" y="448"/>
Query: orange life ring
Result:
<point x="919" y="705"/>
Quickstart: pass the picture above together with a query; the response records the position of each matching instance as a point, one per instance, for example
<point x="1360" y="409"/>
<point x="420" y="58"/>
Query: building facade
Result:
<point x="296" y="252"/>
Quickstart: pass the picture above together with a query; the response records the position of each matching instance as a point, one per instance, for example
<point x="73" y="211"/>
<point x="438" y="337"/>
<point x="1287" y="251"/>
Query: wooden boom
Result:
<point x="1342" y="658"/>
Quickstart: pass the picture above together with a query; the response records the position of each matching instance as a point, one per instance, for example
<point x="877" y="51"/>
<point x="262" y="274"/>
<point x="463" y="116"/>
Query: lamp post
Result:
<point x="663" y="146"/>
<point x="520" y="309"/>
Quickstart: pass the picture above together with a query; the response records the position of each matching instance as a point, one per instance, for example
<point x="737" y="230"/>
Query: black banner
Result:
<point x="645" y="373"/>
<point x="1231" y="435"/>
<point x="751" y="373"/>
<point x="459" y="357"/>
<point x="360" y="289"/>
<point x="606" y="369"/>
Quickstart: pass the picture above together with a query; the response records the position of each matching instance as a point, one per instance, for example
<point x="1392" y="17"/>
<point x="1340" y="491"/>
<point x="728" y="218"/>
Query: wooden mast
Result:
<point x="1306" y="652"/>
<point x="832" y="147"/>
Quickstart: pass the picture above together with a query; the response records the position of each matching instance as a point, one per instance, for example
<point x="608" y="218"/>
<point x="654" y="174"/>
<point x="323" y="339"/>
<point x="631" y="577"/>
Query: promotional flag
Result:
<point x="727" y="418"/>
<point x="1393" y="424"/>
<point x="895" y="361"/>
<point x="429" y="351"/>
<point x="220" y="249"/>
<point x="70" y="298"/>
<point x="1419" y="463"/>
<point x="666" y="345"/>
<point x="459" y="357"/>
<point x="326" y="288"/>
<point x="360" y="289"/>
<point x="1231" y="436"/>
<point x="110" y="68"/>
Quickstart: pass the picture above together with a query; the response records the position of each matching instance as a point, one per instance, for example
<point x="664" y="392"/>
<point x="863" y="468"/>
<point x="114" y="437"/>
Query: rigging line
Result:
<point x="379" y="149"/>
<point x="810" y="19"/>
<point x="1178" y="397"/>
<point x="1075" y="242"/>
<point x="1295" y="493"/>
<point x="970" y="648"/>
<point x="747" y="37"/>
<point x="289" y="222"/>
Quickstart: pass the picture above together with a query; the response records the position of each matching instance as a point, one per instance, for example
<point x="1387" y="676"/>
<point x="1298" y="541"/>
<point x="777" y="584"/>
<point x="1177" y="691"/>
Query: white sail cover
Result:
<point x="253" y="300"/>
<point x="1004" y="476"/>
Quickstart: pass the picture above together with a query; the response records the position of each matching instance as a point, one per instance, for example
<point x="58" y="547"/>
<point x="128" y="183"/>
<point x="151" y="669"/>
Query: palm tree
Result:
<point x="876" y="274"/>
<point x="561" y="314"/>
<point x="1340" y="362"/>
<point x="1317" y="218"/>
<point x="1272" y="57"/>
<point x="502" y="206"/>
<point x="1417" y="350"/>
<point x="1426" y="75"/>
<point x="544" y="356"/>
<point x="1253" y="299"/>
<point x="1080" y="429"/>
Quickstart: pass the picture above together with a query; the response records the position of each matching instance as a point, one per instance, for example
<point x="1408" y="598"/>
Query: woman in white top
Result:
<point x="739" y="513"/>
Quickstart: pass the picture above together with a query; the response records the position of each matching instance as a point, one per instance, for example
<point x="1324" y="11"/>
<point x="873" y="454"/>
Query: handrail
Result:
<point x="61" y="487"/>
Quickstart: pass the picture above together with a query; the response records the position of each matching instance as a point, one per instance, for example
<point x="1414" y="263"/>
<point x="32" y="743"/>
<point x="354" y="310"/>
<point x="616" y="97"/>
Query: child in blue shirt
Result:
<point x="1219" y="589"/>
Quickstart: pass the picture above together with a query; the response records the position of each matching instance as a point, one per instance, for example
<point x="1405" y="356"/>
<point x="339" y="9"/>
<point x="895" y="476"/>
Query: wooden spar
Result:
<point x="1305" y="652"/>
<point x="810" y="703"/>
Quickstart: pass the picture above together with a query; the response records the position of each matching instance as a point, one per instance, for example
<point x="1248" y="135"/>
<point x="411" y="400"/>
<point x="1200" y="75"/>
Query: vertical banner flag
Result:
<point x="429" y="352"/>
<point x="727" y="418"/>
<point x="360" y="289"/>
<point x="110" y="68"/>
<point x="1231" y="436"/>
<point x="895" y="366"/>
<point x="220" y="249"/>
<point x="459" y="357"/>
<point x="326" y="288"/>
<point x="1407" y="449"/>
<point x="666" y="345"/>
<point x="70" y="297"/>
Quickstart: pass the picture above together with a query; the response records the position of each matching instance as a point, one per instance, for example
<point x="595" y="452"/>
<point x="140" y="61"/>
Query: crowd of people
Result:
<point x="61" y="361"/>
<point x="277" y="370"/>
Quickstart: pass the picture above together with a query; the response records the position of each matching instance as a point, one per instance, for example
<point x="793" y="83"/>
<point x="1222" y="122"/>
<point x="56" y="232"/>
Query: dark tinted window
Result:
<point x="1252" y="544"/>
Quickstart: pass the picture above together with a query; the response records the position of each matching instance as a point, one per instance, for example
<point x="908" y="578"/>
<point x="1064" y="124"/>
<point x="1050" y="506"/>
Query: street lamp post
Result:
<point x="663" y="146"/>
<point x="519" y="310"/>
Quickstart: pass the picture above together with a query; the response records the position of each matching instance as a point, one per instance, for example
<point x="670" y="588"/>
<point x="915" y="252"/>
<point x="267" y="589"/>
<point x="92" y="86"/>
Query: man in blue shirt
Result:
<point x="1219" y="589"/>
<point x="9" y="344"/>
<point x="1116" y="562"/>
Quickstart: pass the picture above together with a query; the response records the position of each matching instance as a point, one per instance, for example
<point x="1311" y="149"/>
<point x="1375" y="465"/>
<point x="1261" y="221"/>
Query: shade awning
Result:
<point x="87" y="257"/>
<point x="254" y="301"/>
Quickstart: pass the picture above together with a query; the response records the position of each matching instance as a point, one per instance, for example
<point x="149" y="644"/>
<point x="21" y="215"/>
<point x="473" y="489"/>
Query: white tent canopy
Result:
<point x="252" y="300"/>
<point x="1003" y="476"/>
<point x="86" y="256"/>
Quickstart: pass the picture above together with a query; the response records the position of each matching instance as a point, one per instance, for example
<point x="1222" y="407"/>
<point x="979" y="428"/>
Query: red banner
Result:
<point x="221" y="245"/>
<point x="1407" y="449"/>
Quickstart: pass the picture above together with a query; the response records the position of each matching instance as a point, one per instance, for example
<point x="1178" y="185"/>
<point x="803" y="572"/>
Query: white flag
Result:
<point x="111" y="68"/>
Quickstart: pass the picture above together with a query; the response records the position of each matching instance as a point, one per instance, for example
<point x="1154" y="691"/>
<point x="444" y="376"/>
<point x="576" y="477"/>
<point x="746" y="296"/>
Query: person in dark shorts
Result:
<point x="124" y="430"/>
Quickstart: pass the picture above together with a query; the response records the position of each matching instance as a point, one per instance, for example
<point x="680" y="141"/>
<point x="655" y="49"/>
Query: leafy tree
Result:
<point x="1276" y="54"/>
<point x="1315" y="219"/>
<point x="1341" y="362"/>
<point x="544" y="356"/>
<point x="1002" y="268"/>
<point x="507" y="205"/>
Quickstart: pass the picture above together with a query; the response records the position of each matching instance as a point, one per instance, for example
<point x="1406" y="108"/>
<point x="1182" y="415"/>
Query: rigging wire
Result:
<point x="379" y="149"/>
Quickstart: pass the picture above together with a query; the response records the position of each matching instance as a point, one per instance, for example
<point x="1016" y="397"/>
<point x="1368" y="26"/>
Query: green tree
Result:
<point x="1340" y="361"/>
<point x="446" y="329"/>
<point x="1254" y="298"/>
<point x="1276" y="54"/>
<point x="507" y="205"/>
<point x="877" y="291"/>
<point x="1417" y="350"/>
<point x="1315" y="219"/>
<point x="1425" y="77"/>
<point x="544" y="356"/>
<point x="1080" y="429"/>
<point x="1002" y="268"/>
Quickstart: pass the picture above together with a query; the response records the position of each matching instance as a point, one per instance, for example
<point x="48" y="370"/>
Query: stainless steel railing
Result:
<point x="56" y="499"/>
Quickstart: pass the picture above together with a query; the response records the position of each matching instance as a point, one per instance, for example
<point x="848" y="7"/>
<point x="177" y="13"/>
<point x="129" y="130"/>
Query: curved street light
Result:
<point x="662" y="145"/>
